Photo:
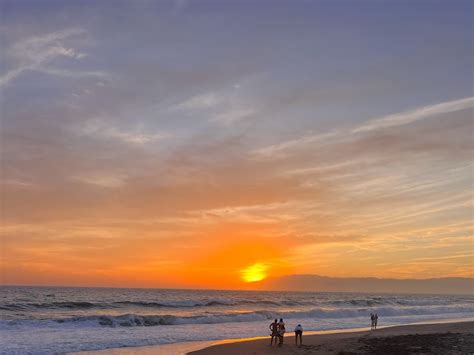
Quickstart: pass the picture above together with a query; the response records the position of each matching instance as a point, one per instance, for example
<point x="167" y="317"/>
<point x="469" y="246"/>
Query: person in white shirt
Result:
<point x="299" y="333"/>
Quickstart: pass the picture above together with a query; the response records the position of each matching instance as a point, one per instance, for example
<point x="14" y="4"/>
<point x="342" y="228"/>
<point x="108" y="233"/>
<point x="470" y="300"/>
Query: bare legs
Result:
<point x="300" y="335"/>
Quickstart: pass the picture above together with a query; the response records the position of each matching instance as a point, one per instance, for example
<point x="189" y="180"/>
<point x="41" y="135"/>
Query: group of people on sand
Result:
<point x="277" y="332"/>
<point x="374" y="318"/>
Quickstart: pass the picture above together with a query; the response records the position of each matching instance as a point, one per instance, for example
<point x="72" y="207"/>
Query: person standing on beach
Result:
<point x="274" y="331"/>
<point x="299" y="333"/>
<point x="376" y="318"/>
<point x="372" y="319"/>
<point x="281" y="331"/>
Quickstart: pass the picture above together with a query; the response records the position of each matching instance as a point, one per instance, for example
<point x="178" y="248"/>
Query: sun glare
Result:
<point x="255" y="272"/>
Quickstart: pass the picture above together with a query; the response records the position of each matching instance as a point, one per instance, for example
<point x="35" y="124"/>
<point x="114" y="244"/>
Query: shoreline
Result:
<point x="260" y="343"/>
<point x="439" y="338"/>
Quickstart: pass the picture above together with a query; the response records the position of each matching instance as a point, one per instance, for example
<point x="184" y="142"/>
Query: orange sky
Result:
<point x="133" y="156"/>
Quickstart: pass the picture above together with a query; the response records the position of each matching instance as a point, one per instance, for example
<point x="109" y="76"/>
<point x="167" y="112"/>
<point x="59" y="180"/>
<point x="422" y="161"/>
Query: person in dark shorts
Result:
<point x="274" y="331"/>
<point x="299" y="333"/>
<point x="376" y="319"/>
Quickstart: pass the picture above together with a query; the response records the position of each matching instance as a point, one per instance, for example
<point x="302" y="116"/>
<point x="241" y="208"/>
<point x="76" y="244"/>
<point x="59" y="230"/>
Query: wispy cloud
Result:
<point x="41" y="48"/>
<point x="223" y="109"/>
<point x="34" y="53"/>
<point x="283" y="149"/>
<point x="420" y="113"/>
<point x="72" y="73"/>
<point x="199" y="102"/>
<point x="280" y="150"/>
<point x="102" y="180"/>
<point x="160" y="148"/>
<point x="17" y="183"/>
<point x="99" y="128"/>
<point x="234" y="114"/>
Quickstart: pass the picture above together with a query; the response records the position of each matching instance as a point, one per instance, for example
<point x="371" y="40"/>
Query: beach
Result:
<point x="201" y="176"/>
<point x="439" y="338"/>
<point x="68" y="320"/>
<point x="435" y="338"/>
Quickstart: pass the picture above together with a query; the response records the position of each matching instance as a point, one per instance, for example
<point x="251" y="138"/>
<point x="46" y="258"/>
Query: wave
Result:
<point x="148" y="304"/>
<point x="357" y="302"/>
<point x="137" y="320"/>
<point x="52" y="305"/>
<point x="191" y="304"/>
<point x="126" y="305"/>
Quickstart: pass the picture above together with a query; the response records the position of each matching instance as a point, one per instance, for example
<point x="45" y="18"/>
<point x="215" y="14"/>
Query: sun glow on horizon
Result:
<point x="255" y="272"/>
<point x="207" y="161"/>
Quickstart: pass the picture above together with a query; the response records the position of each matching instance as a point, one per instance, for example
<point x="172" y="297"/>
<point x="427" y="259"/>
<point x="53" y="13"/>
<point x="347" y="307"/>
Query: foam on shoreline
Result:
<point x="187" y="347"/>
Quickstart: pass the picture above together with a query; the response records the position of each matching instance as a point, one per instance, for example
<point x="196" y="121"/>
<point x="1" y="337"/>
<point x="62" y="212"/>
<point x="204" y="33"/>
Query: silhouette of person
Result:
<point x="281" y="331"/>
<point x="376" y="318"/>
<point x="274" y="331"/>
<point x="299" y="333"/>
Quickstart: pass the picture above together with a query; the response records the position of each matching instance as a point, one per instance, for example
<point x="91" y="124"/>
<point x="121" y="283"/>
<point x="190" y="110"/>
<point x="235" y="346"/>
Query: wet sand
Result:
<point x="442" y="338"/>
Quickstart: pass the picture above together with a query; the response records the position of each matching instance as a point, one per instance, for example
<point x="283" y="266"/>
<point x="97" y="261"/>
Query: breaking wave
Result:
<point x="98" y="305"/>
<point x="360" y="302"/>
<point x="137" y="320"/>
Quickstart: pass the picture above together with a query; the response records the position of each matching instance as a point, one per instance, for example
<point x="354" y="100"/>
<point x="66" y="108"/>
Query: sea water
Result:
<point x="42" y="320"/>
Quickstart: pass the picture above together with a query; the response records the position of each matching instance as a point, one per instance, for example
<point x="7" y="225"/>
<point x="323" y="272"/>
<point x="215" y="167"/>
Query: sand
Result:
<point x="437" y="338"/>
<point x="441" y="338"/>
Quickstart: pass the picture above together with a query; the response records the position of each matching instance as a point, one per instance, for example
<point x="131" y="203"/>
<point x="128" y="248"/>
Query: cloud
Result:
<point x="283" y="149"/>
<point x="102" y="180"/>
<point x="38" y="49"/>
<point x="200" y="102"/>
<point x="133" y="138"/>
<point x="99" y="128"/>
<point x="233" y="115"/>
<point x="420" y="113"/>
<point x="312" y="239"/>
<point x="10" y="75"/>
<point x="17" y="183"/>
<point x="309" y="177"/>
<point x="73" y="73"/>
<point x="34" y="53"/>
<point x="343" y="166"/>
<point x="224" y="109"/>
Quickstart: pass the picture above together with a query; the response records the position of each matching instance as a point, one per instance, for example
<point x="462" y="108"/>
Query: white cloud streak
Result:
<point x="223" y="109"/>
<point x="233" y="115"/>
<point x="407" y="117"/>
<point x="72" y="73"/>
<point x="200" y="102"/>
<point x="100" y="129"/>
<point x="102" y="180"/>
<point x="282" y="149"/>
<point x="34" y="53"/>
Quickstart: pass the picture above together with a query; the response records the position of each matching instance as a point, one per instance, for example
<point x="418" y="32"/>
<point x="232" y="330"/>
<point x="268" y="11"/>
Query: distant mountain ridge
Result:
<point x="446" y="285"/>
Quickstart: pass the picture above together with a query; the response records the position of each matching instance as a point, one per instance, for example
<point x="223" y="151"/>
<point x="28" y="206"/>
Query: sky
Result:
<point x="210" y="144"/>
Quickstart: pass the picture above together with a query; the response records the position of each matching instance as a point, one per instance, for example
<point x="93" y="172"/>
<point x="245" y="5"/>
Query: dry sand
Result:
<point x="442" y="339"/>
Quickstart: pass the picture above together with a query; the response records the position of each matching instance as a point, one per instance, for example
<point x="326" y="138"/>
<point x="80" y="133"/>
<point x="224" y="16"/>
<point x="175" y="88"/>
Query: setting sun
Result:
<point x="255" y="272"/>
<point x="210" y="166"/>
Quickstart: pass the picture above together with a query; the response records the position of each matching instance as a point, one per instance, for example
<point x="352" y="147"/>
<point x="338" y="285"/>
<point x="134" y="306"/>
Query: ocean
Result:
<point x="42" y="320"/>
